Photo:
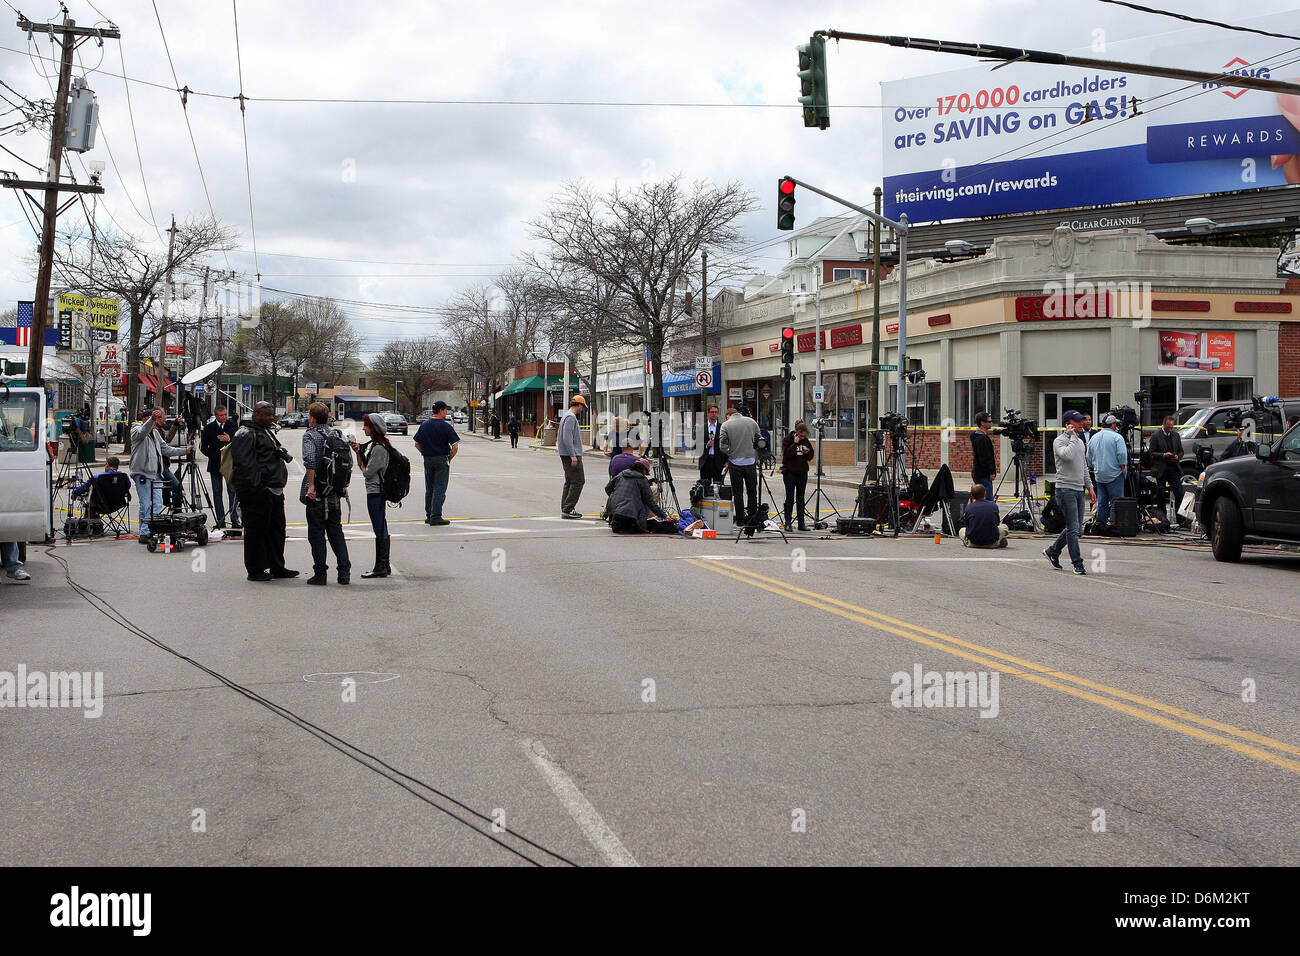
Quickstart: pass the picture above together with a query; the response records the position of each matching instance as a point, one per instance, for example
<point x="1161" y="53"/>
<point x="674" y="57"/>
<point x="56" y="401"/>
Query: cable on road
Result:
<point x="361" y="756"/>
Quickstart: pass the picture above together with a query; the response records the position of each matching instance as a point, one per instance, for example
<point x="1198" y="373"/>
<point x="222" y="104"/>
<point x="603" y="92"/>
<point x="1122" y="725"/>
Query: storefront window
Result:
<point x="961" y="400"/>
<point x="1164" y="398"/>
<point x="1234" y="389"/>
<point x="974" y="395"/>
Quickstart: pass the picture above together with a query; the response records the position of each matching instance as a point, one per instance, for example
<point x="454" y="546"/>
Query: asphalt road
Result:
<point x="658" y="701"/>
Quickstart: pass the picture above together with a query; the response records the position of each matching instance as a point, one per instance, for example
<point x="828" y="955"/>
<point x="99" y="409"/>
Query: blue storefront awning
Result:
<point x="683" y="383"/>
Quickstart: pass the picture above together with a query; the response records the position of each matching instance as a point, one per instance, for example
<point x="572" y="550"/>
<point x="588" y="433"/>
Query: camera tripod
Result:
<point x="1024" y="501"/>
<point x="818" y="494"/>
<point x="751" y="524"/>
<point x="662" y="475"/>
<point x="893" y="465"/>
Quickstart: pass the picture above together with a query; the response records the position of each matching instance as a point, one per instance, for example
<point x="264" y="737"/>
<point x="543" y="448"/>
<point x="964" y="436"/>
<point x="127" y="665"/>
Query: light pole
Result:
<point x="397" y="391"/>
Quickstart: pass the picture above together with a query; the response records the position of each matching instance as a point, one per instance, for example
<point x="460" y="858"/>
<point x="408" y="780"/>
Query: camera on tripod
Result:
<point x="895" y="424"/>
<point x="1265" y="412"/>
<point x="1022" y="431"/>
<point x="1127" y="418"/>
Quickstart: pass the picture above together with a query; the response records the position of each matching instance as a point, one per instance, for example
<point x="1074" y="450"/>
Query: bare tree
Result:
<point x="121" y="266"/>
<point x="645" y="242"/>
<point x="416" y="363"/>
<point x="333" y="343"/>
<point x="271" y="339"/>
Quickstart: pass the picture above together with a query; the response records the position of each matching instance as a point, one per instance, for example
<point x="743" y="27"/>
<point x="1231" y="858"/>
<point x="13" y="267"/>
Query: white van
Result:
<point x="25" y="512"/>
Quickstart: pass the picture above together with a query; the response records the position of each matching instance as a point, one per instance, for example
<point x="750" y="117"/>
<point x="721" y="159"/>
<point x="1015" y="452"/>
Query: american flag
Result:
<point x="19" y="331"/>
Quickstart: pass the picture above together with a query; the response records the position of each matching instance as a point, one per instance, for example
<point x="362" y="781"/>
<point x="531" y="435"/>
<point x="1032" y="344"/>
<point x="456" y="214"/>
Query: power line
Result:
<point x="243" y="119"/>
<point x="135" y="137"/>
<point x="1190" y="19"/>
<point x="184" y="91"/>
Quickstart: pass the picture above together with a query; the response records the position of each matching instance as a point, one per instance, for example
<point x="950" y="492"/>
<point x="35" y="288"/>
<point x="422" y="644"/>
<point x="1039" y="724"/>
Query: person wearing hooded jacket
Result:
<point x="372" y="457"/>
<point x="631" y="502"/>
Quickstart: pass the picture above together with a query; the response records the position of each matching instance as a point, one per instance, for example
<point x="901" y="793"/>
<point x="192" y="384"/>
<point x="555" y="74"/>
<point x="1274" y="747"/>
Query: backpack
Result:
<point x="396" y="479"/>
<point x="334" y="467"/>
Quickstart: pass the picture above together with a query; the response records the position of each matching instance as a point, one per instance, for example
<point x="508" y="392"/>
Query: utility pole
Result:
<point x="873" y="393"/>
<point x="704" y="338"/>
<point x="167" y="296"/>
<point x="65" y="34"/>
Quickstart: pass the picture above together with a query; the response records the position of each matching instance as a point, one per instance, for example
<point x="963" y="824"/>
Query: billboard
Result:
<point x="102" y="314"/>
<point x="1198" y="351"/>
<point x="1030" y="137"/>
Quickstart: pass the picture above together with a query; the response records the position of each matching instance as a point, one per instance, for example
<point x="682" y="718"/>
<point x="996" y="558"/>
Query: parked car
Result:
<point x="294" y="420"/>
<point x="424" y="416"/>
<point x="395" y="422"/>
<point x="1253" y="498"/>
<point x="1210" y="423"/>
<point x="460" y="418"/>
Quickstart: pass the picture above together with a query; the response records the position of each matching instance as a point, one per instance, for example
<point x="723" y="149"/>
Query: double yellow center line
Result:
<point x="1180" y="721"/>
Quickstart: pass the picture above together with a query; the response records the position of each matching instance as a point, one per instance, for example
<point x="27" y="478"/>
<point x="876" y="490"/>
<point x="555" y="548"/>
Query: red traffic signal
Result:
<point x="787" y="345"/>
<point x="787" y="185"/>
<point x="787" y="333"/>
<point x="785" y="203"/>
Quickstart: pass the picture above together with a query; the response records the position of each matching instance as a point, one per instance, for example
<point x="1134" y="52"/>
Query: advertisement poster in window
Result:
<point x="1197" y="351"/>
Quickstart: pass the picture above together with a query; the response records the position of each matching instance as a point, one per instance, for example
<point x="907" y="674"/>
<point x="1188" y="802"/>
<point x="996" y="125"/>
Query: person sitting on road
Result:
<point x="981" y="526"/>
<point x="631" y="502"/>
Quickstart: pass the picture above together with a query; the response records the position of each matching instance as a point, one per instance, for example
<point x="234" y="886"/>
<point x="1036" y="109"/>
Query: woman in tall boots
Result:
<point x="373" y="459"/>
<point x="796" y="452"/>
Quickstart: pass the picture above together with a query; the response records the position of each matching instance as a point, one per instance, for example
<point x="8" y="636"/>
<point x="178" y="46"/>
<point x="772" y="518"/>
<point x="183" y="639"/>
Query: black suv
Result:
<point x="1255" y="497"/>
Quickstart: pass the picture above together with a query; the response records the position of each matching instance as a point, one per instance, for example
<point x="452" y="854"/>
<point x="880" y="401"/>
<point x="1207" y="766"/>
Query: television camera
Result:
<point x="1022" y="431"/>
<point x="1127" y="418"/>
<point x="894" y="424"/>
<point x="1265" y="412"/>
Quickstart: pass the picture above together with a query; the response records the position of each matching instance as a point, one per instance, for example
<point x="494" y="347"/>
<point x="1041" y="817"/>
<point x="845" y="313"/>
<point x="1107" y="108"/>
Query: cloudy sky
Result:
<point x="390" y="203"/>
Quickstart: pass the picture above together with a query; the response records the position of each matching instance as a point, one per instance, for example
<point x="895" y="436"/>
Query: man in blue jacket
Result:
<point x="568" y="442"/>
<point x="1108" y="458"/>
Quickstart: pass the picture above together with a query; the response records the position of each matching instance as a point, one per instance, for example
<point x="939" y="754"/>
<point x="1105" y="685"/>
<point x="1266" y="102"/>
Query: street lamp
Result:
<point x="1200" y="226"/>
<point x="397" y="388"/>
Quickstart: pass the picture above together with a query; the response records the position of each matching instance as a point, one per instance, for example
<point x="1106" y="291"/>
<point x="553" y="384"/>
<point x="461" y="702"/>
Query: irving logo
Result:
<point x="1237" y="67"/>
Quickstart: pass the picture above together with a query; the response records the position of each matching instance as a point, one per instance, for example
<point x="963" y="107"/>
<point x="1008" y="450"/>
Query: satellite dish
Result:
<point x="206" y="370"/>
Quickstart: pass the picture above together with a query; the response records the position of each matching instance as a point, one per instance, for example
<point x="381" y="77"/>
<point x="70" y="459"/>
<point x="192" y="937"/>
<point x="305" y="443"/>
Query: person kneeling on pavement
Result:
<point x="632" y="502"/>
<point x="981" y="528"/>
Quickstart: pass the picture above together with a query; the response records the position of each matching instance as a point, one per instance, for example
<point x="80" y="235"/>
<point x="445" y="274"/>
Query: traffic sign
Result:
<point x="819" y="394"/>
<point x="704" y="378"/>
<point x="704" y="363"/>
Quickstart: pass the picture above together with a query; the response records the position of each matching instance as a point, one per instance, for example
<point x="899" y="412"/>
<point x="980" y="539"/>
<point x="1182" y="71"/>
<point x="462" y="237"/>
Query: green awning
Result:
<point x="533" y="383"/>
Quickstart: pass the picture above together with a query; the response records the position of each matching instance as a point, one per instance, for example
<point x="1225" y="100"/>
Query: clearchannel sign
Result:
<point x="1031" y="137"/>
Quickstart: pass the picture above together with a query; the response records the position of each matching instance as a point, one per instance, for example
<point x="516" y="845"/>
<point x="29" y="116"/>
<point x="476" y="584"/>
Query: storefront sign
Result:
<point x="175" y="350"/>
<point x="891" y="328"/>
<point x="1198" y="351"/>
<point x="1272" y="308"/>
<point x="1084" y="305"/>
<point x="102" y="314"/>
<point x="1180" y="305"/>
<point x="621" y="380"/>
<point x="747" y="350"/>
<point x="733" y="393"/>
<point x="846" y="335"/>
<point x="807" y="342"/>
<point x="936" y="320"/>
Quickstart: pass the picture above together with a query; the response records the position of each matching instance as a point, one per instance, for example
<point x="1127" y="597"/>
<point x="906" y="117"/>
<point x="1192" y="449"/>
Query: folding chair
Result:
<point x="108" y="503"/>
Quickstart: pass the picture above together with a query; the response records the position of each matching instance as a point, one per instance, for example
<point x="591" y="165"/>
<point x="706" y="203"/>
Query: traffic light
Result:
<point x="785" y="203"/>
<point x="787" y="346"/>
<point x="812" y="83"/>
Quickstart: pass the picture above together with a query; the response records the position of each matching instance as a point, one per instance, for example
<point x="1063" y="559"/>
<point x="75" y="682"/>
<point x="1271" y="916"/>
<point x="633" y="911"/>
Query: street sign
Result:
<point x="704" y="378"/>
<point x="819" y="394"/>
<point x="882" y="368"/>
<point x="110" y="370"/>
<point x="704" y="363"/>
<point x="198" y="388"/>
<point x="175" y="350"/>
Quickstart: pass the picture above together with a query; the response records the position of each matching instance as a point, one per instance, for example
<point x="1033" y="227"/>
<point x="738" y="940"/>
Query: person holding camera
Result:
<point x="1166" y="448"/>
<point x="738" y="441"/>
<point x="1107" y="457"/>
<point x="984" y="464"/>
<point x="260" y="477"/>
<point x="149" y="466"/>
<point x="1072" y="484"/>
<point x="1238" y="447"/>
<point x="796" y="452"/>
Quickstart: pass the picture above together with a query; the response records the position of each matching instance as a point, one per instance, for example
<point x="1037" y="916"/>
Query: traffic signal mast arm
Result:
<point x="901" y="229"/>
<point x="1009" y="54"/>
